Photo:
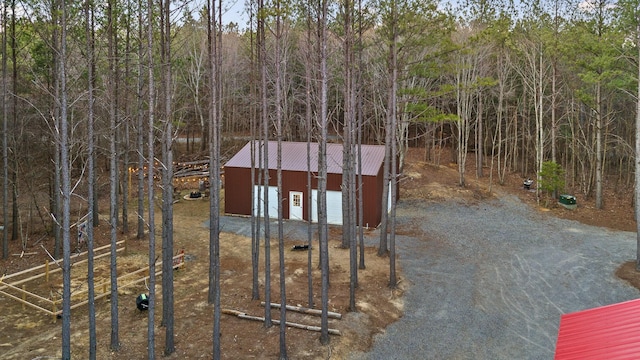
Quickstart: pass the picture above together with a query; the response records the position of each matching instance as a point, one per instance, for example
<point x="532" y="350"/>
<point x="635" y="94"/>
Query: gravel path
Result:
<point x="490" y="281"/>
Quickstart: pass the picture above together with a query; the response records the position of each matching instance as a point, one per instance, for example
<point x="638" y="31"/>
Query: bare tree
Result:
<point x="5" y="145"/>
<point x="383" y="247"/>
<point x="126" y="121"/>
<point x="265" y="170"/>
<point x="140" y="123"/>
<point x="465" y="78"/>
<point x="390" y="146"/>
<point x="255" y="131"/>
<point x="637" y="160"/>
<point x="348" y="158"/>
<point x="89" y="33"/>
<point x="151" y="183"/>
<point x="309" y="124"/>
<point x="279" y="74"/>
<point x="65" y="189"/>
<point x="323" y="236"/>
<point x="360" y="125"/>
<point x="349" y="116"/>
<point x="113" y="179"/>
<point x="56" y="211"/>
<point x="215" y="43"/>
<point x="167" y="181"/>
<point x="14" y="116"/>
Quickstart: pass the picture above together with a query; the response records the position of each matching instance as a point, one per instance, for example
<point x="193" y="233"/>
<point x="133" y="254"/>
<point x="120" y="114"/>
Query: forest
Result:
<point x="98" y="95"/>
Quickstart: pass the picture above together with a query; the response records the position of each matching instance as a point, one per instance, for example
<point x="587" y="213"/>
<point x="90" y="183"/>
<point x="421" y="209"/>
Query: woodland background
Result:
<point x="93" y="91"/>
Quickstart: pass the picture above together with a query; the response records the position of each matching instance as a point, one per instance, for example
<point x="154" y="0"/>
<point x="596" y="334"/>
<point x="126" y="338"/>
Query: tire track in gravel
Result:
<point x="490" y="279"/>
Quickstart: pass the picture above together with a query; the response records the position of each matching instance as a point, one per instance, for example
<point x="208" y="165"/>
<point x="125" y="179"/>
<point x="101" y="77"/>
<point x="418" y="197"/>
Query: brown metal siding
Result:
<point x="372" y="199"/>
<point x="291" y="181"/>
<point x="237" y="191"/>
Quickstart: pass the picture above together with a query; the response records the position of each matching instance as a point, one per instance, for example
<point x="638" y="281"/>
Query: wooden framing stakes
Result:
<point x="14" y="287"/>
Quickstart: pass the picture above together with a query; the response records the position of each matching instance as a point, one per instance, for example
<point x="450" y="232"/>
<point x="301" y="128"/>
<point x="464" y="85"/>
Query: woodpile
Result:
<point x="199" y="168"/>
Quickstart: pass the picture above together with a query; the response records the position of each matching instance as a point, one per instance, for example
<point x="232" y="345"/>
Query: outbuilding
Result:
<point x="295" y="190"/>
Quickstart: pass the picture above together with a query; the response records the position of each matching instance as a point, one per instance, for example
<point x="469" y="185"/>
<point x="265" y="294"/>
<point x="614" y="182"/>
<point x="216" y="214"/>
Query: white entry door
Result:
<point x="295" y="205"/>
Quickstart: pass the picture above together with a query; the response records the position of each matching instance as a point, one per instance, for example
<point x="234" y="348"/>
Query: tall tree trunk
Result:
<point x="255" y="167"/>
<point x="391" y="113"/>
<point x="215" y="43"/>
<point x="151" y="185"/>
<point x="14" y="115"/>
<point x="347" y="167"/>
<point x="598" y="151"/>
<point x="89" y="32"/>
<point x="323" y="236"/>
<point x="279" y="74"/>
<point x="65" y="190"/>
<point x="265" y="150"/>
<point x="126" y="169"/>
<point x="360" y="126"/>
<point x="140" y="122"/>
<point x="391" y="146"/>
<point x="637" y="155"/>
<point x="539" y="123"/>
<point x="167" y="184"/>
<point x="309" y="137"/>
<point x="5" y="145"/>
<point x="57" y="176"/>
<point x="113" y="180"/>
<point x="479" y="139"/>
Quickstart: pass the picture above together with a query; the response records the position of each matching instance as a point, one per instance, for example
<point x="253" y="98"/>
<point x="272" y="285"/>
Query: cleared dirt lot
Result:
<point x="28" y="334"/>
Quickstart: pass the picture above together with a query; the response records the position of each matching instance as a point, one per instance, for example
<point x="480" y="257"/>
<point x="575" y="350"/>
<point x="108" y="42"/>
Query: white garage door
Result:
<point x="334" y="207"/>
<point x="258" y="201"/>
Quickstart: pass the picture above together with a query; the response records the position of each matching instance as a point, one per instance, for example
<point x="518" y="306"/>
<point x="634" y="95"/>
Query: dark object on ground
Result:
<point x="142" y="302"/>
<point x="527" y="184"/>
<point x="568" y="201"/>
<point x="300" y="247"/>
<point x="195" y="194"/>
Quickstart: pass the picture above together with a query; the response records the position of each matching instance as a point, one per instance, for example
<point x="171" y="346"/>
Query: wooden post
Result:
<point x="53" y="306"/>
<point x="305" y="310"/>
<point x="46" y="270"/>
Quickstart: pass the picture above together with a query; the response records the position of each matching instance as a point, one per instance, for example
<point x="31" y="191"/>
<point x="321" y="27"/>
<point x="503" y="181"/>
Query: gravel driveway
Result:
<point x="490" y="280"/>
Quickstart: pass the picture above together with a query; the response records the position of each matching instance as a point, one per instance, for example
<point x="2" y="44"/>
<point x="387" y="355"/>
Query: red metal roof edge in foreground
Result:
<point x="606" y="332"/>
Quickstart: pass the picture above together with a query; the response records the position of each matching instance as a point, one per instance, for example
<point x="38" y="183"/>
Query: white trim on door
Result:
<point x="296" y="205"/>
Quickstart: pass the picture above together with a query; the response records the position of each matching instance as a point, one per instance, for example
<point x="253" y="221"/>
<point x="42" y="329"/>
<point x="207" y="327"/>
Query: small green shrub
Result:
<point x="551" y="178"/>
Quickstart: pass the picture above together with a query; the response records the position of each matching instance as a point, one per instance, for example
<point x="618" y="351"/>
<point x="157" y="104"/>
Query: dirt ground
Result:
<point x="29" y="334"/>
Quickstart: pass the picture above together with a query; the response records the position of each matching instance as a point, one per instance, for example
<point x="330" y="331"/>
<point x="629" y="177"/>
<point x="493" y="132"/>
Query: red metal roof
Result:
<point x="607" y="332"/>
<point x="294" y="157"/>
